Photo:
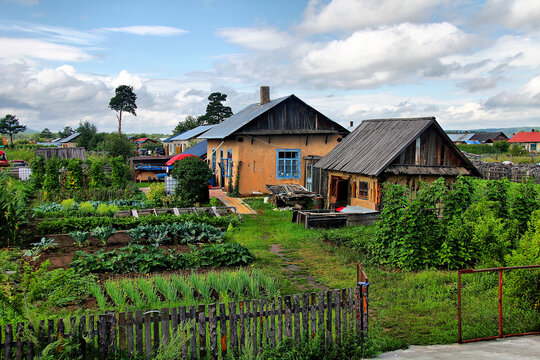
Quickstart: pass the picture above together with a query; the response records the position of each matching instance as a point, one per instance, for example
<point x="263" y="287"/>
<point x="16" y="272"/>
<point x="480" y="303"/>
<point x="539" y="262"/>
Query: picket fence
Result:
<point x="214" y="329"/>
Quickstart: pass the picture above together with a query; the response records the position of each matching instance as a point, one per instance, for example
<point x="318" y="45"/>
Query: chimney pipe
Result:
<point x="352" y="123"/>
<point x="265" y="94"/>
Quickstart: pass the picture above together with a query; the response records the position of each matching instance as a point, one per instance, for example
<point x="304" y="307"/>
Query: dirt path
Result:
<point x="298" y="275"/>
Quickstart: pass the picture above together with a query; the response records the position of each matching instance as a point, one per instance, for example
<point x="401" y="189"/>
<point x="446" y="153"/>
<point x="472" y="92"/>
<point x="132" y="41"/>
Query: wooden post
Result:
<point x="288" y="317"/>
<point x="165" y="329"/>
<point x="111" y="332"/>
<point x="212" y="330"/>
<point x="234" y="327"/>
<point x="223" y="329"/>
<point x="92" y="333"/>
<point x="19" y="345"/>
<point x="102" y="336"/>
<point x="139" y="332"/>
<point x="365" y="313"/>
<point x="148" y="335"/>
<point x="337" y="315"/>
<point x="254" y="315"/>
<point x="202" y="331"/>
<point x="305" y="315"/>
<point x="261" y="324"/>
<point x="321" y="316"/>
<point x="193" y="332"/>
<point x="242" y="328"/>
<point x="7" y="341"/>
<point x="344" y="311"/>
<point x="313" y="310"/>
<point x="129" y="332"/>
<point x="122" y="331"/>
<point x="155" y="321"/>
<point x="273" y="323"/>
<point x="280" y="318"/>
<point x="329" y="318"/>
<point x="296" y="307"/>
<point x="357" y="310"/>
<point x="82" y="330"/>
<point x="181" y="319"/>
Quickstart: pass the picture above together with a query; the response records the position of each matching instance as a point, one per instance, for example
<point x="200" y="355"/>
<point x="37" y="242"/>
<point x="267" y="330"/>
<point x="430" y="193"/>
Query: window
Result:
<point x="363" y="188"/>
<point x="288" y="164"/>
<point x="533" y="147"/>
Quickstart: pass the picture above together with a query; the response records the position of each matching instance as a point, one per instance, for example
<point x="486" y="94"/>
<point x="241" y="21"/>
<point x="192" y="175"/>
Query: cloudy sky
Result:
<point x="471" y="64"/>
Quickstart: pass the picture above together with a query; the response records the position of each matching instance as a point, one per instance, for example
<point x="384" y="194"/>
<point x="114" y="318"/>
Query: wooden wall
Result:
<point x="371" y="202"/>
<point x="62" y="152"/>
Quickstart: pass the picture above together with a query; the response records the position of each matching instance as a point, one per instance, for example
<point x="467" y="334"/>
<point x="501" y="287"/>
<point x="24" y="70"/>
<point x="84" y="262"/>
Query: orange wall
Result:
<point x="258" y="157"/>
<point x="354" y="200"/>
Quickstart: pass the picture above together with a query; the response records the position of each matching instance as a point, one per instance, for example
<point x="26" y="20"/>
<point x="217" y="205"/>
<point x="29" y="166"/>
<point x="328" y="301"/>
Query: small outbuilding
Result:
<point x="403" y="151"/>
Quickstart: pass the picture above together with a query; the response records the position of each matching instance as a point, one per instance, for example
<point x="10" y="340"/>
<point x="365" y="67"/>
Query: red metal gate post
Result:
<point x="500" y="302"/>
<point x="459" y="306"/>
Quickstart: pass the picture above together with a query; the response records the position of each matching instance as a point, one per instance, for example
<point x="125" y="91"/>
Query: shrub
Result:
<point x="38" y="172"/>
<point x="119" y="171"/>
<point x="51" y="181"/>
<point x="86" y="208"/>
<point x="13" y="213"/>
<point x="193" y="175"/>
<point x="97" y="175"/>
<point x="156" y="195"/>
<point x="74" y="174"/>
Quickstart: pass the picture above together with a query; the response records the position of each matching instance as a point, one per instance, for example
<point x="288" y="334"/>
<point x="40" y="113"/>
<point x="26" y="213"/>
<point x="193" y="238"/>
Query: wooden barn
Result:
<point x="402" y="151"/>
<point x="271" y="142"/>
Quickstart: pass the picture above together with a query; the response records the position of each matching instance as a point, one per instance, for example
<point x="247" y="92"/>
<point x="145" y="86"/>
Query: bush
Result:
<point x="156" y="195"/>
<point x="69" y="204"/>
<point x="119" y="171"/>
<point x="38" y="172"/>
<point x="193" y="175"/>
<point x="51" y="181"/>
<point x="87" y="208"/>
<point x="97" y="175"/>
<point x="74" y="175"/>
<point x="12" y="210"/>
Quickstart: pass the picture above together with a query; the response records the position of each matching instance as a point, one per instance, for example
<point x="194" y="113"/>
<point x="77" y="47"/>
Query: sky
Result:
<point x="471" y="64"/>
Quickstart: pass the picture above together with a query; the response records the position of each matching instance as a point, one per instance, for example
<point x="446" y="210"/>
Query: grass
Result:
<point x="416" y="307"/>
<point x="20" y="154"/>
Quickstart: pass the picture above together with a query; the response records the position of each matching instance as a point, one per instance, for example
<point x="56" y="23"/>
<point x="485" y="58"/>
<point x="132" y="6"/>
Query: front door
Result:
<point x="309" y="175"/>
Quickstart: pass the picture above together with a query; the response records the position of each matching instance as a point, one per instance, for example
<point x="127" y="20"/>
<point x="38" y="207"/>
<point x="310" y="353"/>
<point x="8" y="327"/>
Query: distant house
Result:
<point x="198" y="150"/>
<point x="530" y="141"/>
<point x="271" y="142"/>
<point x="69" y="141"/>
<point x="461" y="138"/>
<point x="141" y="141"/>
<point x="178" y="143"/>
<point x="489" y="137"/>
<point x="402" y="151"/>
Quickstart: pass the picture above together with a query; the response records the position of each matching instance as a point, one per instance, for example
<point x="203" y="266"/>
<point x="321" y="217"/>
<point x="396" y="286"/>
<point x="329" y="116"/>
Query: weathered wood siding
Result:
<point x="372" y="200"/>
<point x="291" y="115"/>
<point x="62" y="152"/>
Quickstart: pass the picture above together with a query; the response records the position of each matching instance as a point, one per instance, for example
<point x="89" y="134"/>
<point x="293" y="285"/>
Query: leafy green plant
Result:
<point x="86" y="208"/>
<point x="38" y="172"/>
<point x="147" y="289"/>
<point x="95" y="290"/>
<point x="80" y="238"/>
<point x="119" y="171"/>
<point x="133" y="293"/>
<point x="166" y="288"/>
<point x="51" y="182"/>
<point x="103" y="209"/>
<point x="74" y="174"/>
<point x="116" y="294"/>
<point x="12" y="210"/>
<point x="38" y="247"/>
<point x="214" y="201"/>
<point x="193" y="175"/>
<point x="137" y="234"/>
<point x="103" y="233"/>
<point x="69" y="205"/>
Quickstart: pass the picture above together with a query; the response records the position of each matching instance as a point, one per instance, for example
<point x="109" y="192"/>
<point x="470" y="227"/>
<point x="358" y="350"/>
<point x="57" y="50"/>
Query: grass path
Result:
<point x="417" y="307"/>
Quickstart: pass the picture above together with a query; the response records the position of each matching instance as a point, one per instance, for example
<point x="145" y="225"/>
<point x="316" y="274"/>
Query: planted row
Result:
<point x="179" y="233"/>
<point x="176" y="290"/>
<point x="87" y="208"/>
<point x="69" y="224"/>
<point x="146" y="259"/>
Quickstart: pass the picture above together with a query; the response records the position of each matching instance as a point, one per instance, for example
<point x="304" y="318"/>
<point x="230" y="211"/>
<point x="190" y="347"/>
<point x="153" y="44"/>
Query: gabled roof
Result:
<point x="372" y="147"/>
<point x="460" y="137"/>
<point x="525" y="137"/>
<point x="198" y="149"/>
<point x="240" y="119"/>
<point x="483" y="137"/>
<point x="190" y="134"/>
<point x="70" y="137"/>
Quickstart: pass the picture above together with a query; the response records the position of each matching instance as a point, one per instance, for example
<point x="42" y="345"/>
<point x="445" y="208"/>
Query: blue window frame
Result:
<point x="288" y="163"/>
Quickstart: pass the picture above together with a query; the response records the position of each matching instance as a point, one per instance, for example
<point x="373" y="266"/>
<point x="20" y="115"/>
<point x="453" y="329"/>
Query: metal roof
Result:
<point x="190" y="134"/>
<point x="460" y="137"/>
<point x="198" y="149"/>
<point x="483" y="137"/>
<point x="70" y="137"/>
<point x="372" y="147"/>
<point x="240" y="119"/>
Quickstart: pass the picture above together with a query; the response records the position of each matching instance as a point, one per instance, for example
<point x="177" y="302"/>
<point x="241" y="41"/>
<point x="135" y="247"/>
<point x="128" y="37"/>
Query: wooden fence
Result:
<point x="214" y="330"/>
<point x="62" y="153"/>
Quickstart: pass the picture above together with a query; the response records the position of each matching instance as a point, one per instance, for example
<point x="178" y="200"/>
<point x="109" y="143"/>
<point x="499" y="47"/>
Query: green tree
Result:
<point x="193" y="175"/>
<point x="9" y="125"/>
<point x="68" y="130"/>
<point x="123" y="100"/>
<point x="191" y="122"/>
<point x="215" y="111"/>
<point x="119" y="145"/>
<point x="46" y="134"/>
<point x="89" y="137"/>
<point x="501" y="146"/>
<point x="119" y="171"/>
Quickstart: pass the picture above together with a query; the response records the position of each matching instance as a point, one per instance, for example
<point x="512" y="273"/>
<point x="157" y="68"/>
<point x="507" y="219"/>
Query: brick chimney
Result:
<point x="352" y="123"/>
<point x="265" y="94"/>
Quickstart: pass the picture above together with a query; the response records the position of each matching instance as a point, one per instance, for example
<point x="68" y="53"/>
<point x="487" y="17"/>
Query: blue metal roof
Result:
<point x="240" y="119"/>
<point x="197" y="150"/>
<point x="190" y="134"/>
<point x="70" y="137"/>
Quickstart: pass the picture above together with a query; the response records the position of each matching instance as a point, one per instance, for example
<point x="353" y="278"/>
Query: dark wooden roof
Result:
<point x="483" y="137"/>
<point x="374" y="144"/>
<point x="426" y="170"/>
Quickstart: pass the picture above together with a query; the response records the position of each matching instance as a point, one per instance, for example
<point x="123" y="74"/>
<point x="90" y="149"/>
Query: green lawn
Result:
<point x="417" y="307"/>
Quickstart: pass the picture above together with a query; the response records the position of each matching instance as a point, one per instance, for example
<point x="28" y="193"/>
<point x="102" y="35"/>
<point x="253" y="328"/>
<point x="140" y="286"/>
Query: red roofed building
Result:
<point x="529" y="140"/>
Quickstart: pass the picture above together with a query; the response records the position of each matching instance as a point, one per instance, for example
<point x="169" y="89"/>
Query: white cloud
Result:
<point x="527" y="96"/>
<point x="147" y="30"/>
<point x="340" y="15"/>
<point x="518" y="14"/>
<point x="257" y="38"/>
<point x="49" y="33"/>
<point x="15" y="49"/>
<point x="24" y="2"/>
<point x="385" y="55"/>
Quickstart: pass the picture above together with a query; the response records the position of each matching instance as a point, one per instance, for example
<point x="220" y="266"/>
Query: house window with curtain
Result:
<point x="288" y="163"/>
<point x="363" y="188"/>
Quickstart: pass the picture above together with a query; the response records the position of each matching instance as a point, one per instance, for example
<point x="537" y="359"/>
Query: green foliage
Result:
<point x="215" y="111"/>
<point x="480" y="148"/>
<point x="119" y="171"/>
<point x="359" y="238"/>
<point x="156" y="195"/>
<point x="501" y="146"/>
<point x="103" y="233"/>
<point x="524" y="203"/>
<point x="193" y="175"/>
<point x="52" y="181"/>
<point x="38" y="172"/>
<point x="215" y="201"/>
<point x="189" y="123"/>
<point x="9" y="125"/>
<point x="74" y="175"/>
<point x="38" y="247"/>
<point x="97" y="174"/>
<point x="525" y="284"/>
<point x="13" y="213"/>
<point x="123" y="100"/>
<point x="517" y="150"/>
<point x="88" y="137"/>
<point x="86" y="208"/>
<point x="69" y="205"/>
<point x="80" y="238"/>
<point x="119" y="145"/>
<point x="146" y="259"/>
